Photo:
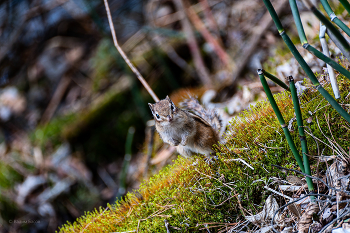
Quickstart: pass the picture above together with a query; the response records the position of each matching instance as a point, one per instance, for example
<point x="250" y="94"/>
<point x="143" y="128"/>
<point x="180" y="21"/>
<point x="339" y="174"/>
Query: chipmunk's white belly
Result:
<point x="170" y="132"/>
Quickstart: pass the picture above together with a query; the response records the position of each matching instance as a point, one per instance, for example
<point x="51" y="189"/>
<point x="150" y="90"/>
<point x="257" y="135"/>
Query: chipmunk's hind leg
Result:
<point x="184" y="151"/>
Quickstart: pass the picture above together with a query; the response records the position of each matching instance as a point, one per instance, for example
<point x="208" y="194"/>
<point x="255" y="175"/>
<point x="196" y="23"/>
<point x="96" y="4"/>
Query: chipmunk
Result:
<point x="195" y="132"/>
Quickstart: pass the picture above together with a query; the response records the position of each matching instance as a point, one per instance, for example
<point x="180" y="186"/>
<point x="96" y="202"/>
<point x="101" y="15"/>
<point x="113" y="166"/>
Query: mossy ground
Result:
<point x="192" y="193"/>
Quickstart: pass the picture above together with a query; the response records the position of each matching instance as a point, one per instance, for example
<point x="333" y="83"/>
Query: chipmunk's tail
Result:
<point x="210" y="115"/>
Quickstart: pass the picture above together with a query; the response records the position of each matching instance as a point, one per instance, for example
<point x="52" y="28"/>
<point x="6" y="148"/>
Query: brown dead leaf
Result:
<point x="294" y="180"/>
<point x="306" y="219"/>
<point x="295" y="209"/>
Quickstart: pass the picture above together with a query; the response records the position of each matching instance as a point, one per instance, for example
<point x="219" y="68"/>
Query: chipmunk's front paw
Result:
<point x="173" y="142"/>
<point x="211" y="159"/>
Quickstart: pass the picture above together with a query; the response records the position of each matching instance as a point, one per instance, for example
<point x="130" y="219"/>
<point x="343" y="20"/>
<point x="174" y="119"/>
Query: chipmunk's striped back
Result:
<point x="210" y="115"/>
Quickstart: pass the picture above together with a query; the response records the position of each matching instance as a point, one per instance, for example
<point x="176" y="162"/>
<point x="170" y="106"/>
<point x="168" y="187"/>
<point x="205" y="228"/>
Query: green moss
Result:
<point x="191" y="193"/>
<point x="8" y="209"/>
<point x="8" y="176"/>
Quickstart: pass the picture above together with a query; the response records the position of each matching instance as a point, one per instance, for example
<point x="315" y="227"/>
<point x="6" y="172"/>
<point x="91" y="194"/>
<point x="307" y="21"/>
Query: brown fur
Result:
<point x="211" y="116"/>
<point x="187" y="131"/>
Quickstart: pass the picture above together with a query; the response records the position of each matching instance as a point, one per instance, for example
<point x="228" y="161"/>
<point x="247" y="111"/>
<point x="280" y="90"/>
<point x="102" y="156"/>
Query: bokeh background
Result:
<point x="76" y="131"/>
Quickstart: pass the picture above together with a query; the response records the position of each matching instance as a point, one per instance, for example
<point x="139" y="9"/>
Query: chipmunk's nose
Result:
<point x="169" y="118"/>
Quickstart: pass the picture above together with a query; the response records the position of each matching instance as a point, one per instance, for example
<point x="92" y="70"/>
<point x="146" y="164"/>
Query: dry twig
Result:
<point x="132" y="67"/>
<point x="56" y="99"/>
<point x="192" y="44"/>
<point x="208" y="37"/>
<point x="212" y="22"/>
<point x="257" y="33"/>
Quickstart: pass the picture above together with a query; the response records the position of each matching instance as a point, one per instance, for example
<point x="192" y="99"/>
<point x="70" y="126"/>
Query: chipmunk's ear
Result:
<point x="171" y="102"/>
<point x="151" y="107"/>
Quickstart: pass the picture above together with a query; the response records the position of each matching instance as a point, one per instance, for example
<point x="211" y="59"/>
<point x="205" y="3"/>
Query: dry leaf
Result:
<point x="267" y="213"/>
<point x="306" y="219"/>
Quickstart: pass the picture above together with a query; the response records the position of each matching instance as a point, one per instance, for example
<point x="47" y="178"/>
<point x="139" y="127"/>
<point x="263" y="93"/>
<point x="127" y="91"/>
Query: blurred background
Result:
<point x="76" y="131"/>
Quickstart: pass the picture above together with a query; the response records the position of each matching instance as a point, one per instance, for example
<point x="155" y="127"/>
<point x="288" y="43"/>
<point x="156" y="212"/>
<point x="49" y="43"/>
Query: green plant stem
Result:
<point x="334" y="18"/>
<point x="276" y="80"/>
<point x="274" y="15"/>
<point x="303" y="64"/>
<point x="331" y="28"/>
<point x="296" y="16"/>
<point x="310" y="48"/>
<point x="281" y="120"/>
<point x="346" y="5"/>
<point x="338" y="44"/>
<point x="326" y="59"/>
<point x="301" y="132"/>
<point x="329" y="68"/>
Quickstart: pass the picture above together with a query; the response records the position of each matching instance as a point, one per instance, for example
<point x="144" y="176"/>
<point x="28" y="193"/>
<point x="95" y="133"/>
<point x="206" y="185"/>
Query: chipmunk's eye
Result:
<point x="157" y="116"/>
<point x="173" y="107"/>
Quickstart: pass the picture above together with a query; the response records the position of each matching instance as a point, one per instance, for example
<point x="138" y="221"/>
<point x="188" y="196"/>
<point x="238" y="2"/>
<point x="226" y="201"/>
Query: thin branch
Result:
<point x="193" y="46"/>
<point x="215" y="179"/>
<point x="278" y="193"/>
<point x="257" y="34"/>
<point x="289" y="203"/>
<point x="313" y="177"/>
<point x="176" y="16"/>
<point x="199" y="25"/>
<point x="210" y="17"/>
<point x="132" y="67"/>
<point x="56" y="99"/>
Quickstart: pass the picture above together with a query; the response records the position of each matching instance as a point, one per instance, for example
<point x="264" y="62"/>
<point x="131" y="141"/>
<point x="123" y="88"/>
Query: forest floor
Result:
<point x="71" y="111"/>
